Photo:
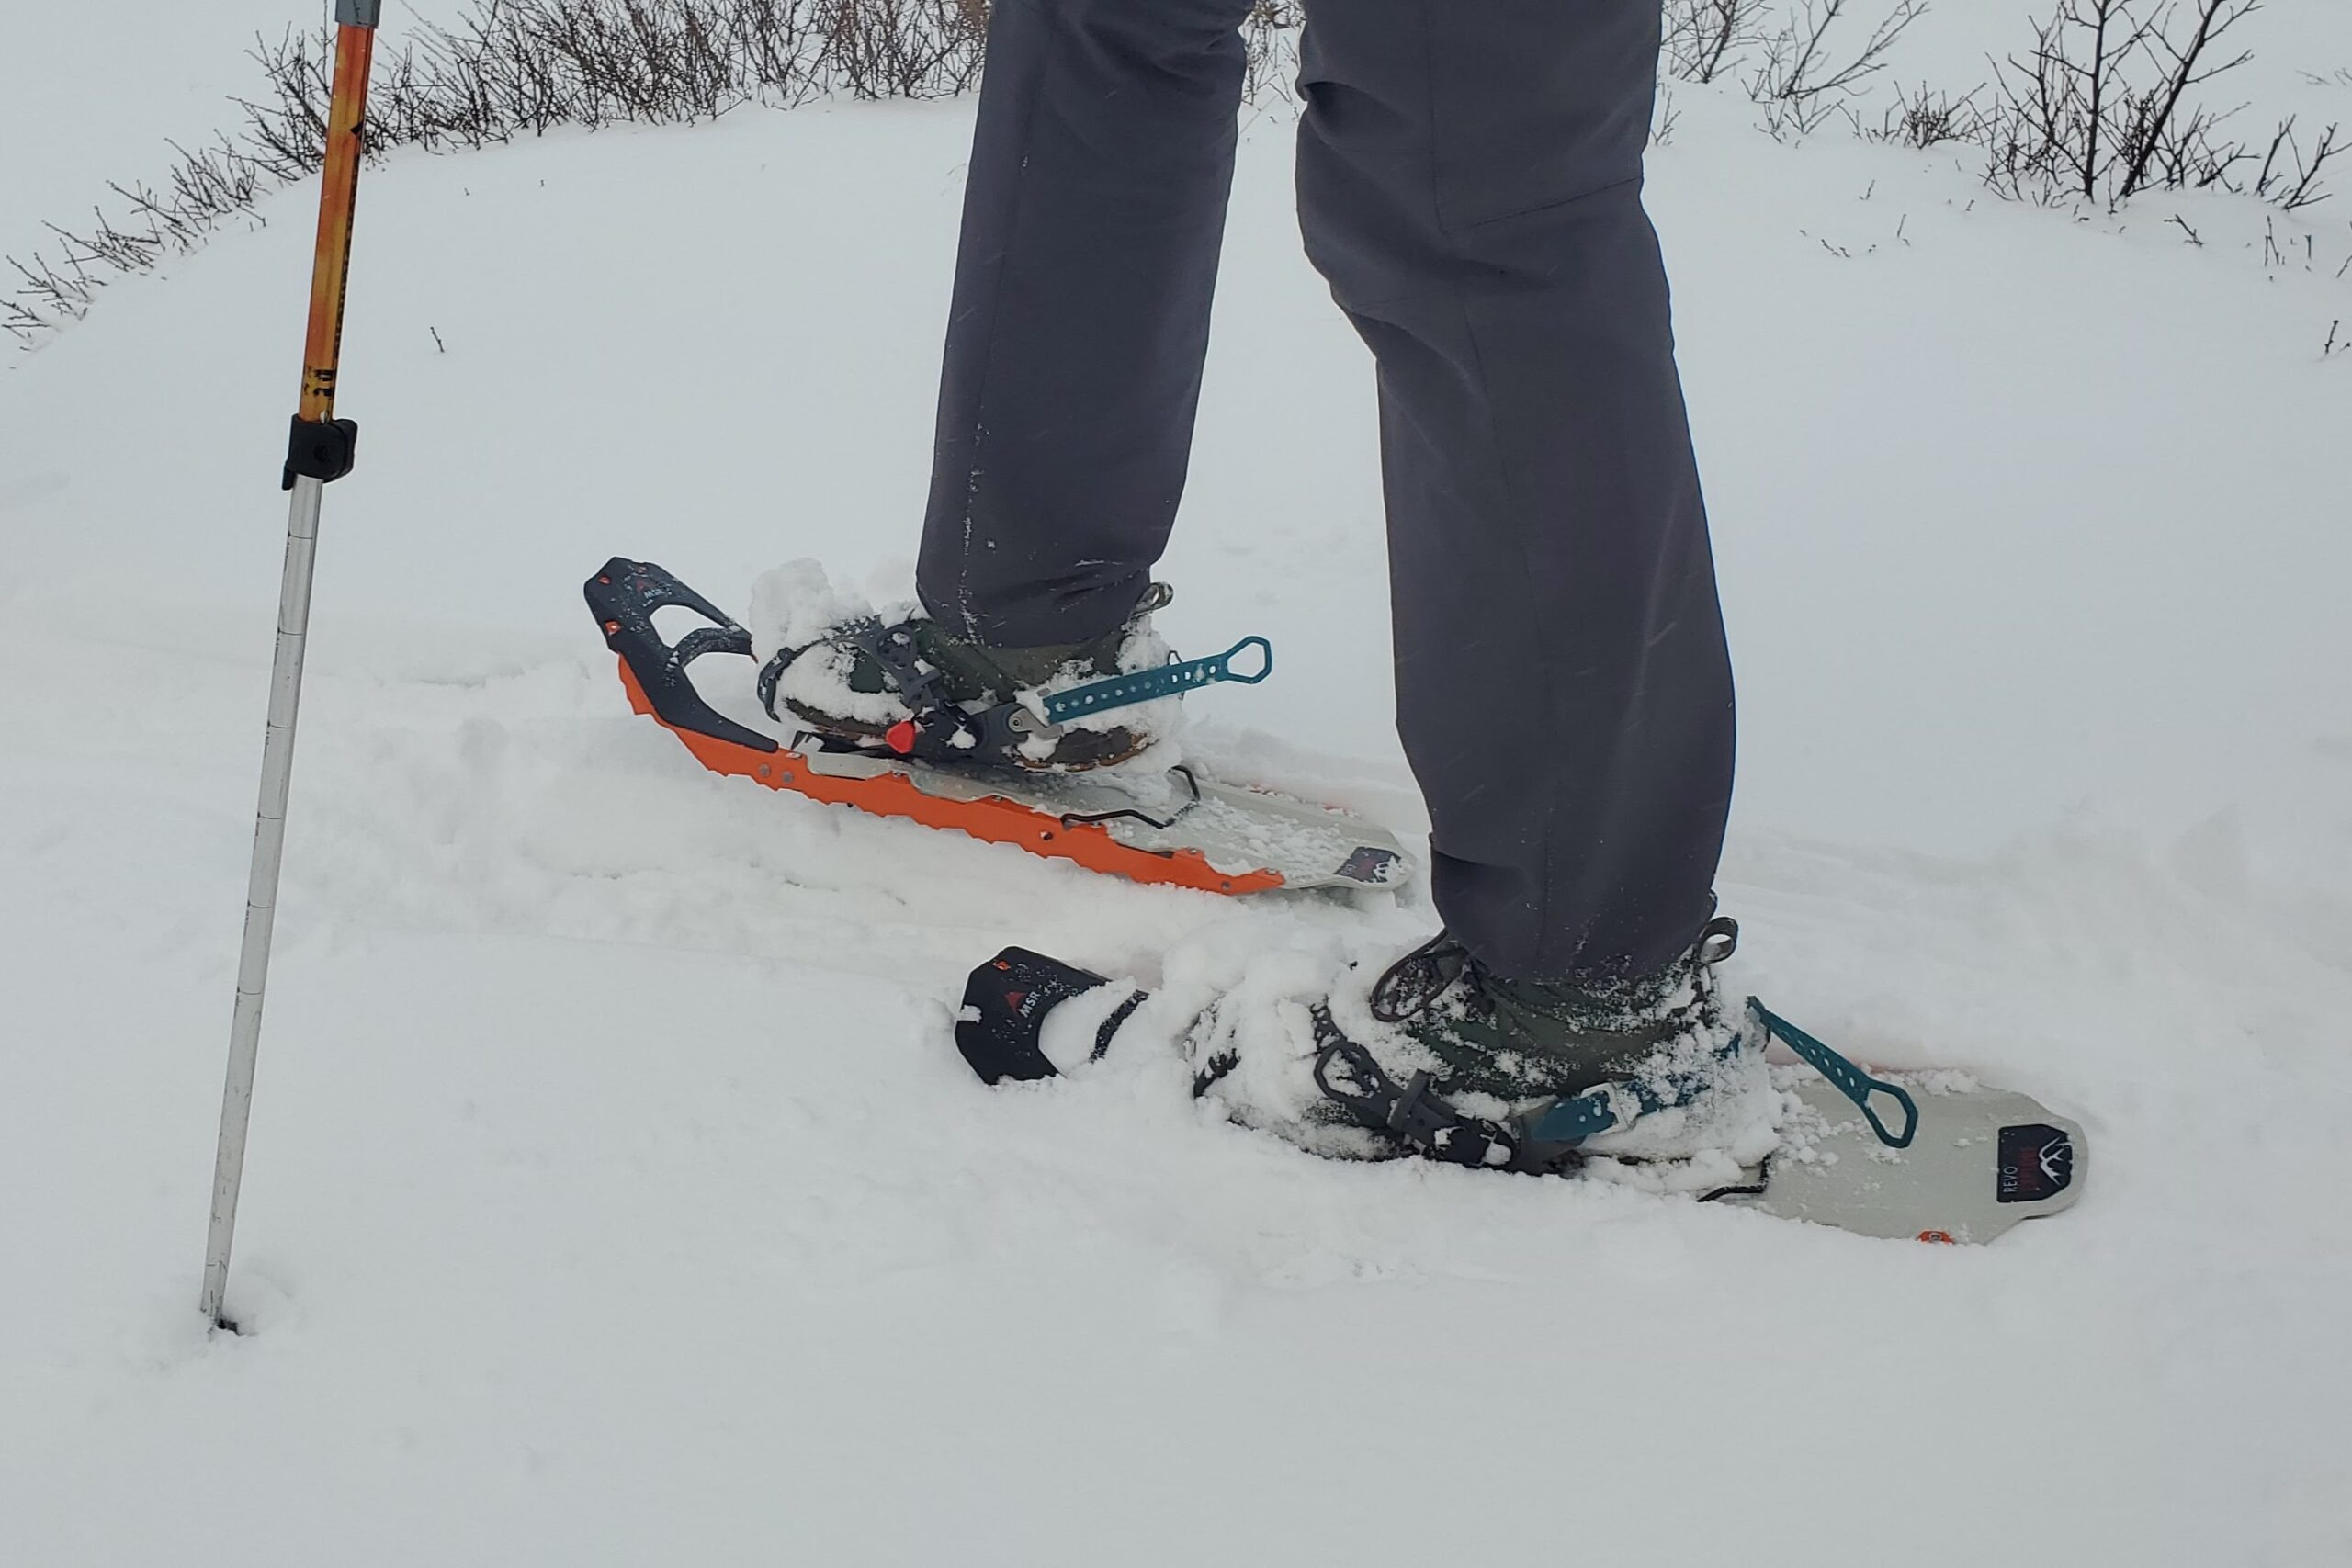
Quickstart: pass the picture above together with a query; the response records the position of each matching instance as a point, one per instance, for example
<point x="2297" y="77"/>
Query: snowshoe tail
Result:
<point x="1001" y="1030"/>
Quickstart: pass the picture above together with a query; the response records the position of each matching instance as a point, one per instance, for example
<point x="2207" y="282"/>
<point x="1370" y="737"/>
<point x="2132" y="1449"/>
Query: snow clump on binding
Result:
<point x="797" y="607"/>
<point x="806" y="630"/>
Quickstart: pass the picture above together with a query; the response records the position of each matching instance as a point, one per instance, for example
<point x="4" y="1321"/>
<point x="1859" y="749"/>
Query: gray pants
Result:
<point x="1469" y="182"/>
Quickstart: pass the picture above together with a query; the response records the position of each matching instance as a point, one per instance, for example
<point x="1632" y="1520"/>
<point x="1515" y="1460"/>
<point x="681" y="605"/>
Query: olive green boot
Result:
<point x="1518" y="1040"/>
<point x="845" y="685"/>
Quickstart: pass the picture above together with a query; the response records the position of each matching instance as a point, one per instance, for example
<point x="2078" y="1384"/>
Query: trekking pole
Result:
<point x="319" y="450"/>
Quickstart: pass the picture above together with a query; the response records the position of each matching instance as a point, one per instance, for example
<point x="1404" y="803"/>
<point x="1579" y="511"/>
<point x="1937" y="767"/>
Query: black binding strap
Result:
<point x="1349" y="1077"/>
<point x="939" y="730"/>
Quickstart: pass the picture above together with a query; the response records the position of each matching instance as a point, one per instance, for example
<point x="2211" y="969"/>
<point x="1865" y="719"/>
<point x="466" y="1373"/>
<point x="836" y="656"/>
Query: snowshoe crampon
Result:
<point x="1946" y="1164"/>
<point x="1177" y="828"/>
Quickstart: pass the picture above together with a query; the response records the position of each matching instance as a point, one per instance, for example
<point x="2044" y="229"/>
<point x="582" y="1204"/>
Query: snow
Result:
<point x="796" y="605"/>
<point x="616" y="1192"/>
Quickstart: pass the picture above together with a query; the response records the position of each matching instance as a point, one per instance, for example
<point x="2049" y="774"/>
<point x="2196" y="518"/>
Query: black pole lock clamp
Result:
<point x="320" y="449"/>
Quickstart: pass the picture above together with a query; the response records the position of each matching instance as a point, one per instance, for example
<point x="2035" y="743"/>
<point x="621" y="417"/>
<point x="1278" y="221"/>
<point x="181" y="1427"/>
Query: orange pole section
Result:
<point x="331" y="265"/>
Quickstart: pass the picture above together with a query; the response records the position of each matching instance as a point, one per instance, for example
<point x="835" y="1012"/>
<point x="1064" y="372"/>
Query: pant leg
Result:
<point x="1470" y="183"/>
<point x="1092" y="218"/>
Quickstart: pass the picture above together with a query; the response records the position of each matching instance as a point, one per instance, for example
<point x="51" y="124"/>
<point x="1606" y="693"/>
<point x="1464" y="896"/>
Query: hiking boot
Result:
<point x="854" y="686"/>
<point x="1518" y="1040"/>
<point x="1446" y="1059"/>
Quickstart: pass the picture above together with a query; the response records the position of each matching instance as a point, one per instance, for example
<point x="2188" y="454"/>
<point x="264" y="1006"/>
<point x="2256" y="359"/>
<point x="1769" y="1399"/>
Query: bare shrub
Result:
<point x="1270" y="36"/>
<point x="901" y="49"/>
<point x="1799" y="75"/>
<point x="2103" y="108"/>
<point x="52" y="289"/>
<point x="1927" y="117"/>
<point x="2293" y="182"/>
<point x="1803" y="79"/>
<point x="1705" y="39"/>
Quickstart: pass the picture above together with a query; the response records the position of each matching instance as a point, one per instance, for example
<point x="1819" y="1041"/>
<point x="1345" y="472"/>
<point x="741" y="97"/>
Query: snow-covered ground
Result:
<point x="616" y="1193"/>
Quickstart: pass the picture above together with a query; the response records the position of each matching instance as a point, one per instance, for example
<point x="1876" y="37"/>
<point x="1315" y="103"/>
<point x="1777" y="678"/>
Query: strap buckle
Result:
<point x="1349" y="1077"/>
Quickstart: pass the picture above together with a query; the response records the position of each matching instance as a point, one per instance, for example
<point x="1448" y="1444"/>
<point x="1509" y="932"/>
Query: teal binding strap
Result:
<point x="1165" y="682"/>
<point x="1578" y="1117"/>
<point x="1851" y="1080"/>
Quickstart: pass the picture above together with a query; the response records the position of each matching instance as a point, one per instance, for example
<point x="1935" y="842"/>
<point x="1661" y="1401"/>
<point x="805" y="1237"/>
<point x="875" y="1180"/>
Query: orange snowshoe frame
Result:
<point x="624" y="597"/>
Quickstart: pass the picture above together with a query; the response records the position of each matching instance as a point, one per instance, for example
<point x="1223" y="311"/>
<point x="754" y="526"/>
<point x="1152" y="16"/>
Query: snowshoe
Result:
<point x="1951" y="1162"/>
<point x="950" y="763"/>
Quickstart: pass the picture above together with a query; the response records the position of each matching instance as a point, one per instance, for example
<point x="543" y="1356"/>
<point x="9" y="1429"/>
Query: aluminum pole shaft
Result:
<point x="261" y="886"/>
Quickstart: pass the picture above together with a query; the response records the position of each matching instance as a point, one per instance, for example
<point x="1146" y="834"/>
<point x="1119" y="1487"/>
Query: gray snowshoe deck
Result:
<point x="1980" y="1160"/>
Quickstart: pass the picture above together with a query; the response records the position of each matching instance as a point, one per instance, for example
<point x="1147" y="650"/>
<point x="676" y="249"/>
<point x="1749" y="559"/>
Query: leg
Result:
<point x="1470" y="183"/>
<point x="1092" y="218"/>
